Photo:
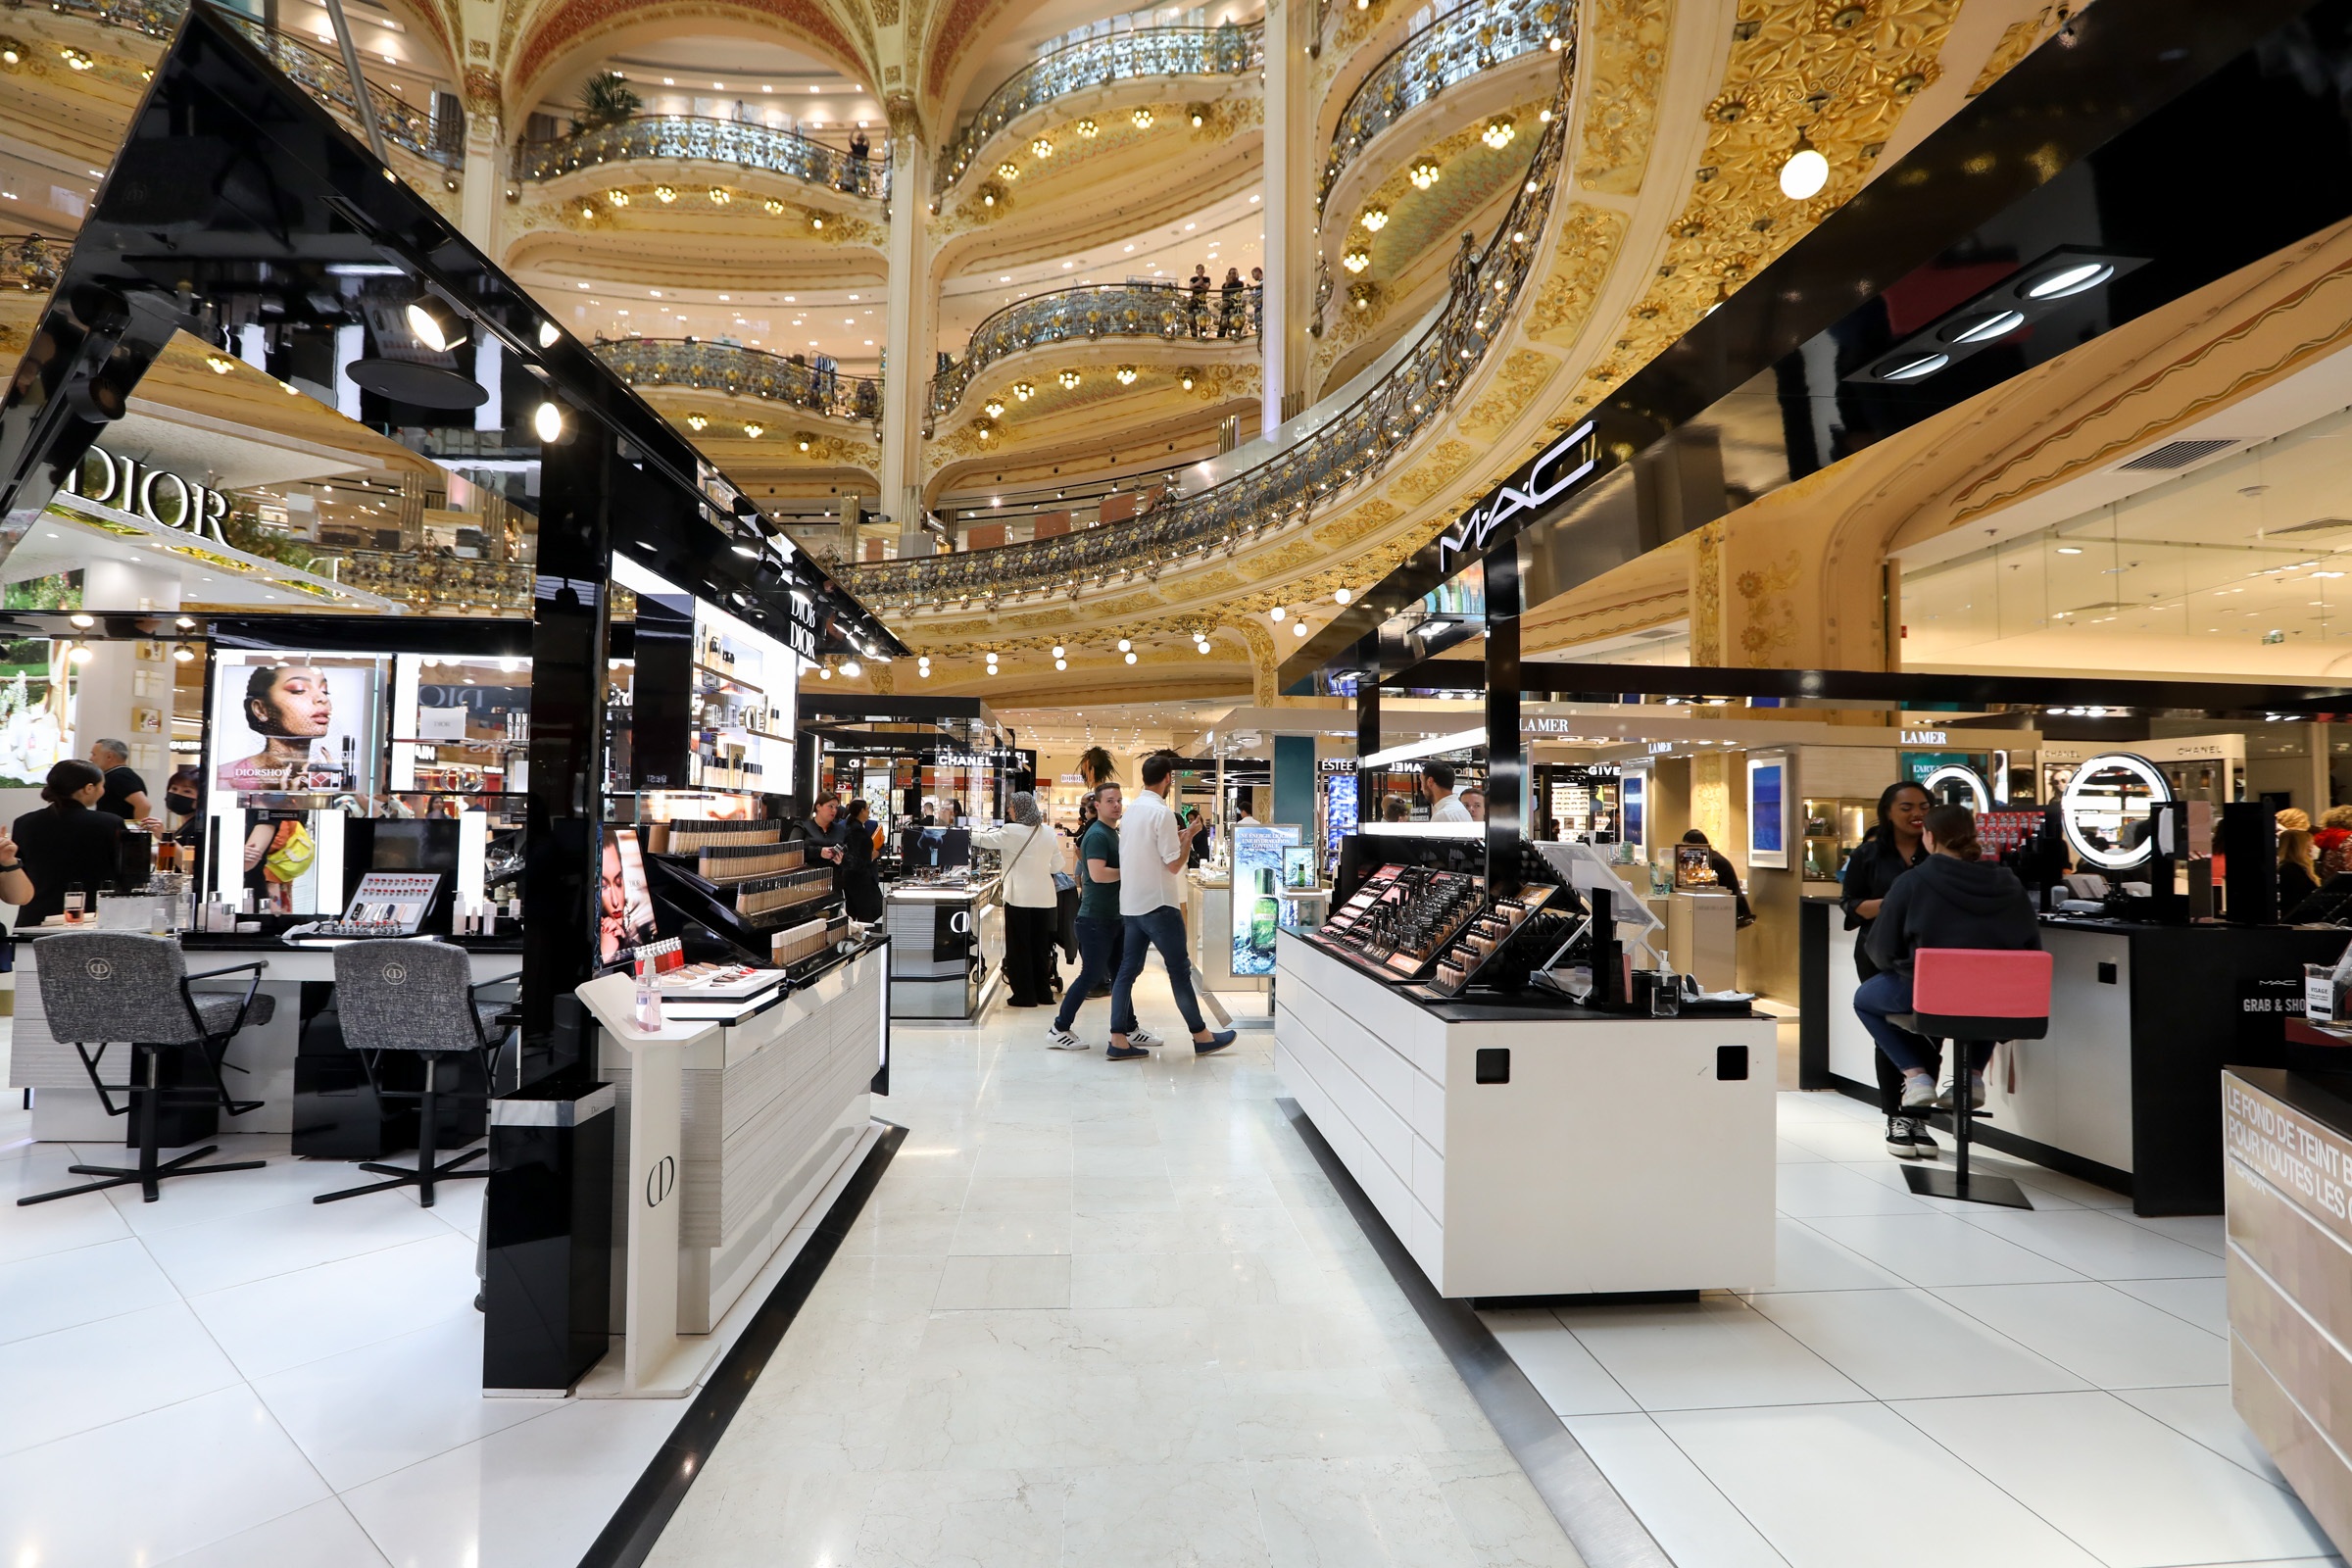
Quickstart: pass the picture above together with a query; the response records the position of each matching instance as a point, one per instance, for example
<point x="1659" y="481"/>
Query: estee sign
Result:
<point x="166" y="499"/>
<point x="1541" y="481"/>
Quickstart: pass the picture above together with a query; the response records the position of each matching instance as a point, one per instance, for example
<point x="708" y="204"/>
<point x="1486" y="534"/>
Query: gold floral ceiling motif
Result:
<point x="1588" y="240"/>
<point x="1625" y="53"/>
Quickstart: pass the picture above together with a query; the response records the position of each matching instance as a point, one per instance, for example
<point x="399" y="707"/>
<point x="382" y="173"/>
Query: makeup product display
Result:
<point x="1488" y="934"/>
<point x="1402" y="919"/>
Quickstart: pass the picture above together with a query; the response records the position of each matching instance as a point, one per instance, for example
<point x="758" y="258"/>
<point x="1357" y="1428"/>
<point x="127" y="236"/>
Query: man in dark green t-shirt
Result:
<point x="1098" y="920"/>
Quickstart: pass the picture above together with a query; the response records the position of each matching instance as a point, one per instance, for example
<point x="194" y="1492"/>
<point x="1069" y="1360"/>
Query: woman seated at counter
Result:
<point x="1955" y="897"/>
<point x="1890" y="848"/>
<point x="66" y="843"/>
<point x="2298" y="869"/>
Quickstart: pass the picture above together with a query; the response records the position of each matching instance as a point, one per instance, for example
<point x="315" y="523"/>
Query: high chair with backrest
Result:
<point x="1967" y="994"/>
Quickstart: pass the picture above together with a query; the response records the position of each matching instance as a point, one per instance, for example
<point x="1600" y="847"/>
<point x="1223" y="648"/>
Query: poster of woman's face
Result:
<point x="293" y="724"/>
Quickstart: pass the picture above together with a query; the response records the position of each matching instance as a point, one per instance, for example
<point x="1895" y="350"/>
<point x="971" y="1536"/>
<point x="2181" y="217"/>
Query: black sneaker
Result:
<point x="1901" y="1141"/>
<point x="1927" y="1145"/>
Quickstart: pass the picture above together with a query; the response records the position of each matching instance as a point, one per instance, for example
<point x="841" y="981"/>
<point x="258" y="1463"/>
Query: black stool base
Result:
<point x="1934" y="1181"/>
<point x="128" y="1176"/>
<point x="421" y="1178"/>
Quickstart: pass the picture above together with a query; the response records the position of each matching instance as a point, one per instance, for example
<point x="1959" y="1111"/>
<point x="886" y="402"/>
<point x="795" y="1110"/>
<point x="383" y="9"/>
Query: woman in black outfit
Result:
<point x="861" y="887"/>
<point x="64" y="843"/>
<point x="1885" y="853"/>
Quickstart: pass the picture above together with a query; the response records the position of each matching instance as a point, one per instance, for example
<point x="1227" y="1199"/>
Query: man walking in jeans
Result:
<point x="1151" y="852"/>
<point x="1098" y="913"/>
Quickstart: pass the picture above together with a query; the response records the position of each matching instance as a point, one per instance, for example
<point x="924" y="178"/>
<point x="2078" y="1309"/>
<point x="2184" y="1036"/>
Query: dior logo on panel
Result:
<point x="164" y="497"/>
<point x="660" y="1181"/>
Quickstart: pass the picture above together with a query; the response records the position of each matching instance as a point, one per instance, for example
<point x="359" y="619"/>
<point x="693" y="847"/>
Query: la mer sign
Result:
<point x="166" y="499"/>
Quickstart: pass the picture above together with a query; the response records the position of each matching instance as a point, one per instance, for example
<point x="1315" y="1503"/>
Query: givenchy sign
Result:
<point x="1512" y="505"/>
<point x="164" y="497"/>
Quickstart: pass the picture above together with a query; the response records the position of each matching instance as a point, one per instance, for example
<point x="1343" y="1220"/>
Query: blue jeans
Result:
<point x="1162" y="928"/>
<point x="1890" y="992"/>
<point x="1098" y="946"/>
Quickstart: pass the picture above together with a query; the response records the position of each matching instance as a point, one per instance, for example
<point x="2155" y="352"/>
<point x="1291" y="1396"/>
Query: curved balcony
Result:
<point x="748" y="373"/>
<point x="1454" y="47"/>
<point x="744" y="144"/>
<point x="1165" y="311"/>
<point x="320" y="74"/>
<point x="1354" y="444"/>
<point x="1227" y="51"/>
<point x="32" y="261"/>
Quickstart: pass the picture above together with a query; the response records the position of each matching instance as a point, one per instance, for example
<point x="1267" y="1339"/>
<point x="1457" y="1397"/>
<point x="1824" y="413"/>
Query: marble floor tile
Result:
<point x="1004" y="1282"/>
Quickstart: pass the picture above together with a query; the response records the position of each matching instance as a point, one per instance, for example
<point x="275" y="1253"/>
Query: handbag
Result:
<point x="998" y="896"/>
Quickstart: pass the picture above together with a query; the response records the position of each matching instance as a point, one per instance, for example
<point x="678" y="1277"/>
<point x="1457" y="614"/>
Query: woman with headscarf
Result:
<point x="1030" y="851"/>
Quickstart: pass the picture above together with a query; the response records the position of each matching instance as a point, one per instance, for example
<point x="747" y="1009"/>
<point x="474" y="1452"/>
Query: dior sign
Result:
<point x="166" y="499"/>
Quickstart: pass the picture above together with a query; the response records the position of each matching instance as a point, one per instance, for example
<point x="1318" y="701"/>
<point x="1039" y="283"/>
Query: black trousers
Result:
<point x="1032" y="945"/>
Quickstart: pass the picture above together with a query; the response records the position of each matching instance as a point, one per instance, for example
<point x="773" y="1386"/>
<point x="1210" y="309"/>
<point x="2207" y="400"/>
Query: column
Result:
<point x="1506" y="757"/>
<point x="908" y="343"/>
<point x="481" y="193"/>
<point x="1295" y="782"/>
<point x="1290" y="222"/>
<point x="118" y="694"/>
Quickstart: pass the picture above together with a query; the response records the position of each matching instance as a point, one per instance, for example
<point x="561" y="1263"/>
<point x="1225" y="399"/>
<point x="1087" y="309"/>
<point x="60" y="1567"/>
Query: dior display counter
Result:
<point x="1536" y="1150"/>
<point x="2126" y="1089"/>
<point x="947" y="945"/>
<point x="732" y="1122"/>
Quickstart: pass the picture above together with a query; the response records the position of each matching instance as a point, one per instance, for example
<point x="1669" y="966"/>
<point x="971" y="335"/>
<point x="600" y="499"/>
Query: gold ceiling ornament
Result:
<point x="1499" y="131"/>
<point x="803" y="439"/>
<point x="1069" y="380"/>
<point x="1142" y="117"/>
<point x="752" y="430"/>
<point x="698" y="422"/>
<point x="1425" y="173"/>
<point x="720" y="195"/>
<point x="1126" y="374"/>
<point x="1198" y="113"/>
<point x="774" y="208"/>
<point x="1088" y="129"/>
<point x="664" y="194"/>
<point x="1043" y="147"/>
<point x="1361" y="295"/>
<point x="1621" y="47"/>
<point x="1374" y="218"/>
<point x="1023" y="391"/>
<point x="618" y="197"/>
<point x="994" y="408"/>
<point x="12" y="53"/>
<point x="1356" y="258"/>
<point x="1008" y="170"/>
<point x="991" y="196"/>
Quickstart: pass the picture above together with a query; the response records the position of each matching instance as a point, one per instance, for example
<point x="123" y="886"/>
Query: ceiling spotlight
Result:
<point x="2070" y="550"/>
<point x="1375" y="218"/>
<point x="850" y="669"/>
<point x="1298" y="629"/>
<point x="1424" y="173"/>
<point x="1125" y="645"/>
<point x="1201" y="646"/>
<point x="1141" y="119"/>
<point x="547" y="421"/>
<point x="436" y="325"/>
<point x="1057" y="650"/>
<point x="1805" y="172"/>
<point x="1023" y="391"/>
<point x="1355" y="258"/>
<point x="1088" y="129"/>
<point x="805" y="439"/>
<point x="1499" y="133"/>
<point x="720" y="195"/>
<point x="774" y="205"/>
<point x="1042" y="147"/>
<point x="1069" y="380"/>
<point x="1916" y="367"/>
<point x="1062" y="663"/>
<point x="994" y="408"/>
<point x="1984" y="328"/>
<point x="86" y="622"/>
<point x="989" y="195"/>
<point x="2069" y="280"/>
<point x="1008" y="170"/>
<point x="1277" y="613"/>
<point x="549" y="332"/>
<point x="1198" y="114"/>
<point x="753" y="431"/>
<point x="1185" y="379"/>
<point x="80" y="653"/>
<point x="588" y="209"/>
<point x="1126" y="374"/>
<point x="697" y="422"/>
<point x="816" y="222"/>
<point x="618" y="198"/>
<point x="84" y="654"/>
<point x="184" y="655"/>
<point x="666" y="194"/>
<point x="1341" y="596"/>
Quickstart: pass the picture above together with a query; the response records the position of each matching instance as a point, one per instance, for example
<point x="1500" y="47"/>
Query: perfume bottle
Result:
<point x="1265" y="914"/>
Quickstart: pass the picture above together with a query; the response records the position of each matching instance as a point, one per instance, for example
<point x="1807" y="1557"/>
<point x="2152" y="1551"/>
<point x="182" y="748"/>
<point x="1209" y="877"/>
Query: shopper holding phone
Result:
<point x="1152" y="850"/>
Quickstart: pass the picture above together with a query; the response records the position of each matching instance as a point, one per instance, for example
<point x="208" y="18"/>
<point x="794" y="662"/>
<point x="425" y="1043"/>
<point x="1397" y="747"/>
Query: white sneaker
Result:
<point x="1919" y="1092"/>
<point x="1144" y="1038"/>
<point x="1063" y="1040"/>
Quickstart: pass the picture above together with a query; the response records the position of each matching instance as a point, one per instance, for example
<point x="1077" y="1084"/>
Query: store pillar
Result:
<point x="1290" y="246"/>
<point x="124" y="690"/>
<point x="1506" y="754"/>
<point x="906" y="352"/>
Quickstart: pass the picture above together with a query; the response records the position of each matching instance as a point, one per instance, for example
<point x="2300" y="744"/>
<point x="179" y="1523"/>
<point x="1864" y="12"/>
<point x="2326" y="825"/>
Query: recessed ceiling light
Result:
<point x="2068" y="281"/>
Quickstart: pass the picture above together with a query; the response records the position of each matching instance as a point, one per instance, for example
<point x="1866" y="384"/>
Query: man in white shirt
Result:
<point x="1436" y="781"/>
<point x="1152" y="850"/>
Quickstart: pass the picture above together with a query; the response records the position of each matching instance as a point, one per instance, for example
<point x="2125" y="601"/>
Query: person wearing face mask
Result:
<point x="179" y="807"/>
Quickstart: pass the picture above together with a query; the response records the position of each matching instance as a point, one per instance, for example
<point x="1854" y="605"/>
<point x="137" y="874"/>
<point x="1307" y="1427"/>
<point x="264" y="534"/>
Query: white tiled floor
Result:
<point x="1106" y="1314"/>
<point x="237" y="1377"/>
<point x="1930" y="1383"/>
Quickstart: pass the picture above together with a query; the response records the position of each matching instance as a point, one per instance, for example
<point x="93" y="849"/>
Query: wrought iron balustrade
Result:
<point x="1356" y="443"/>
<point x="1165" y="310"/>
<point x="1455" y="46"/>
<point x="321" y="75"/>
<point x="744" y="143"/>
<point x="1226" y="51"/>
<point x="750" y="373"/>
<point x="32" y="261"/>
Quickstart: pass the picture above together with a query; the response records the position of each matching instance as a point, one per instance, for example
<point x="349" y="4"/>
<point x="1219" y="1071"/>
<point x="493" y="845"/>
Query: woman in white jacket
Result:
<point x="1030" y="851"/>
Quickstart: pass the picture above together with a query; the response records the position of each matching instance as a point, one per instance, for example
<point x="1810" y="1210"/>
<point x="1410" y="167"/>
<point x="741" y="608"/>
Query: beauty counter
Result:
<point x="946" y="944"/>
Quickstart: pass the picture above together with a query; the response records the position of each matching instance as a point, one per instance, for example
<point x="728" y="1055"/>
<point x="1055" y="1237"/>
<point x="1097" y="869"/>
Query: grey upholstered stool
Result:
<point x="111" y="986"/>
<point x="413" y="996"/>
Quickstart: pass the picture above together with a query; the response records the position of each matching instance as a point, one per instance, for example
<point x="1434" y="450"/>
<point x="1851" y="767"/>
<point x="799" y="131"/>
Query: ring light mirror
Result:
<point x="2108" y="794"/>
<point x="1948" y="784"/>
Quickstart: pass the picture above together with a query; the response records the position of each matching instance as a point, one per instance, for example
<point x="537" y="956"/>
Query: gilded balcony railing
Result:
<point x="1166" y="311"/>
<point x="1455" y="46"/>
<point x="750" y="372"/>
<point x="1225" y="51"/>
<point x="744" y="143"/>
<point x="1356" y="443"/>
<point x="32" y="261"/>
<point x="440" y="140"/>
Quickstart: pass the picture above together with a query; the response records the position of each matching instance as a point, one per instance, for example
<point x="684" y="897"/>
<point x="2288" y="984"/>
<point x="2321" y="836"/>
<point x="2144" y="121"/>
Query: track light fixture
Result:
<point x="437" y="326"/>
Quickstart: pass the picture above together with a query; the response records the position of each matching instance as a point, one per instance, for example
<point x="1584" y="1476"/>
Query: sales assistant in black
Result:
<point x="1890" y="849"/>
<point x="66" y="843"/>
<point x="1955" y="897"/>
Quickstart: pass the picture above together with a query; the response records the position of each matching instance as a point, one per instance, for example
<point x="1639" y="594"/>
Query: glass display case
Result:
<point x="1834" y="826"/>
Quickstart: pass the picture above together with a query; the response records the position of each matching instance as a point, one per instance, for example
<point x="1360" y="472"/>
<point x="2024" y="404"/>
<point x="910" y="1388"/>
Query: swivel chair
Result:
<point x="415" y="995"/>
<point x="110" y="986"/>
<point x="1966" y="995"/>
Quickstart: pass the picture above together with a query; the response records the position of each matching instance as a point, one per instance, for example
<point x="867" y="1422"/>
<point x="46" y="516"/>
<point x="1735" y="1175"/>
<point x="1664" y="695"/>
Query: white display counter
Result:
<point x="946" y="944"/>
<point x="1622" y="1154"/>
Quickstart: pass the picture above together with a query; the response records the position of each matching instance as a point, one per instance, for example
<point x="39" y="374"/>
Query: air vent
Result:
<point x="2315" y="526"/>
<point x="2176" y="455"/>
